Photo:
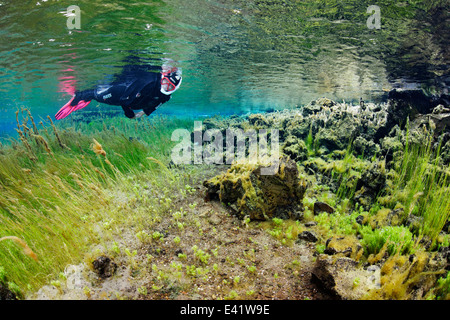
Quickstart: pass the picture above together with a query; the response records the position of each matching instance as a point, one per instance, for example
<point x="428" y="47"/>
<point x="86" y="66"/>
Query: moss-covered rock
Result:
<point x="316" y="106"/>
<point x="387" y="217"/>
<point x="5" y="293"/>
<point x="260" y="197"/>
<point x="371" y="183"/>
<point x="445" y="153"/>
<point x="295" y="148"/>
<point x="347" y="246"/>
<point x="368" y="148"/>
<point x="259" y="120"/>
<point x="343" y="277"/>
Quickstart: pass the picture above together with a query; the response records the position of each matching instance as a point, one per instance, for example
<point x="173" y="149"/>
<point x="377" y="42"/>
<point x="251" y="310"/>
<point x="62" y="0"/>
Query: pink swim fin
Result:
<point x="68" y="109"/>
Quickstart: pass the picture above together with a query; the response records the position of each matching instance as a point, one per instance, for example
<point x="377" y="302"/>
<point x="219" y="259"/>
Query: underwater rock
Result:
<point x="6" y="294"/>
<point x="386" y="217"/>
<point x="311" y="224"/>
<point x="260" y="197"/>
<point x="317" y="105"/>
<point x="308" y="236"/>
<point x="295" y="148"/>
<point x="346" y="246"/>
<point x="320" y="207"/>
<point x="259" y="120"/>
<point x="366" y="147"/>
<point x="372" y="181"/>
<point x="337" y="135"/>
<point x="446" y="228"/>
<point x="414" y="222"/>
<point x="104" y="267"/>
<point x="360" y="220"/>
<point x="404" y="104"/>
<point x="438" y="123"/>
<point x="391" y="145"/>
<point x="214" y="219"/>
<point x="337" y="276"/>
<point x="440" y="109"/>
<point x="296" y="126"/>
<point x="445" y="152"/>
<point x="443" y="258"/>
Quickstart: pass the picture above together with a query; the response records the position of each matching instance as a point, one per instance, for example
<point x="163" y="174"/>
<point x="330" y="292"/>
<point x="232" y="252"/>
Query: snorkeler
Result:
<point x="137" y="90"/>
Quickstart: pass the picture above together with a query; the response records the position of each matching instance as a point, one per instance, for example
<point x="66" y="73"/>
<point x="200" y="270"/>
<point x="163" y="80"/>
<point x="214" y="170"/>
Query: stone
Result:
<point x="308" y="236"/>
<point x="414" y="222"/>
<point x="360" y="220"/>
<point x="214" y="219"/>
<point x="320" y="207"/>
<point x="311" y="224"/>
<point x="440" y="109"/>
<point x="295" y="148"/>
<point x="372" y="181"/>
<point x="404" y="104"/>
<point x="387" y="217"/>
<point x="104" y="267"/>
<point x="347" y="246"/>
<point x="368" y="148"/>
<point x="5" y="293"/>
<point x="258" y="196"/>
<point x="259" y="120"/>
<point x="343" y="277"/>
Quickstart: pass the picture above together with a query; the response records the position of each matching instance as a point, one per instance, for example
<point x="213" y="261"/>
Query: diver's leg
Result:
<point x="110" y="94"/>
<point x="86" y="95"/>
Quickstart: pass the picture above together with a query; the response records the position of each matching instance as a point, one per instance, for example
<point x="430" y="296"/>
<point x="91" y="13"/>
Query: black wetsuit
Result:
<point x="140" y="90"/>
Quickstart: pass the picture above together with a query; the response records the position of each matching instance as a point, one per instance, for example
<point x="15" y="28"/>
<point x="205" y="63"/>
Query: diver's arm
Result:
<point x="150" y="108"/>
<point x="128" y="112"/>
<point x="149" y="111"/>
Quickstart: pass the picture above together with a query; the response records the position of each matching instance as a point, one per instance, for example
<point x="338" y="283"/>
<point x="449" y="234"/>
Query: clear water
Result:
<point x="237" y="56"/>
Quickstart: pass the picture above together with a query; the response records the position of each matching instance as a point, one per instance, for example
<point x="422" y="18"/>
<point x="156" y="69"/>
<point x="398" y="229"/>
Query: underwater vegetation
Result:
<point x="377" y="200"/>
<point x="96" y="210"/>
<point x="56" y="184"/>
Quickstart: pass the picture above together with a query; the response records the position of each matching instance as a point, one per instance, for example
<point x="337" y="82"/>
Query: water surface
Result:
<point x="236" y="56"/>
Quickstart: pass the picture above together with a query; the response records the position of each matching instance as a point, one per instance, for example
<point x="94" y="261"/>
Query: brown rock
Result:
<point x="343" y="277"/>
<point x="320" y="207"/>
<point x="258" y="196"/>
<point x="104" y="267"/>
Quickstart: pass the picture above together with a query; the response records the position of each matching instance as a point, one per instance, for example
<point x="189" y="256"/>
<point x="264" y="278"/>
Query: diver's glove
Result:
<point x="86" y="95"/>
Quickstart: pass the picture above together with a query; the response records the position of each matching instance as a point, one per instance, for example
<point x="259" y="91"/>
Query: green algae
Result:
<point x="260" y="197"/>
<point x="57" y="189"/>
<point x="399" y="239"/>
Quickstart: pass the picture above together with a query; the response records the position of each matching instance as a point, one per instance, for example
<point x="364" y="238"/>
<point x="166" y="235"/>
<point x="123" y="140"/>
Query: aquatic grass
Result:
<point x="43" y="209"/>
<point x="398" y="239"/>
<point x="347" y="171"/>
<point x="424" y="184"/>
<point x="443" y="288"/>
<point x="56" y="187"/>
<point x="26" y="249"/>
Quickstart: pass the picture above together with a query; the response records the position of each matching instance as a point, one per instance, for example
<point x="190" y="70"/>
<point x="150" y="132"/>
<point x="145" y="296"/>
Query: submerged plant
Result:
<point x="443" y="288"/>
<point x="26" y="249"/>
<point x="55" y="193"/>
<point x="424" y="185"/>
<point x="397" y="239"/>
<point x="98" y="149"/>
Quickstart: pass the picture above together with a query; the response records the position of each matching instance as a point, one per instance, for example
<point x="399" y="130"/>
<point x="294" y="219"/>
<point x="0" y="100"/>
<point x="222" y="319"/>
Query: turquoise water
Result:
<point x="236" y="56"/>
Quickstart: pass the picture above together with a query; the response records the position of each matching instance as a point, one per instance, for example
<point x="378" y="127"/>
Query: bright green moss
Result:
<point x="400" y="239"/>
